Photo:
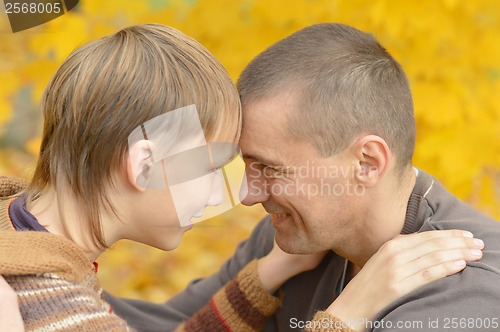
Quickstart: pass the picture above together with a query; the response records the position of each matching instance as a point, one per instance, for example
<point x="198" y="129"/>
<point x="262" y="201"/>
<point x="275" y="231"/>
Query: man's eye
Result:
<point x="272" y="172"/>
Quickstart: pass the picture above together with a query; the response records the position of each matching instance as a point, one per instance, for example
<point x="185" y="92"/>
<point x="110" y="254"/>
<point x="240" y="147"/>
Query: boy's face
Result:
<point x="183" y="174"/>
<point x="168" y="212"/>
<point x="204" y="177"/>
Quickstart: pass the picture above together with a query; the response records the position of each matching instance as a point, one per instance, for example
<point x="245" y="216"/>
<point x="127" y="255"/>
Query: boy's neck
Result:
<point x="64" y="220"/>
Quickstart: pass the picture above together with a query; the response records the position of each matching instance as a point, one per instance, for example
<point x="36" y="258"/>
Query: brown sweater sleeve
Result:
<point x="242" y="305"/>
<point x="324" y="322"/>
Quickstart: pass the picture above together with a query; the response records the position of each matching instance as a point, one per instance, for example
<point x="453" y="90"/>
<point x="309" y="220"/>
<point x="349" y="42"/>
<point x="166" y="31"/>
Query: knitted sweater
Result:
<point x="56" y="284"/>
<point x="58" y="289"/>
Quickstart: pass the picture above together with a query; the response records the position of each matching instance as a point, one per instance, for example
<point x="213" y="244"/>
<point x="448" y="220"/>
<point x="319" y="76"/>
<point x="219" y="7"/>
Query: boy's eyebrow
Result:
<point x="261" y="160"/>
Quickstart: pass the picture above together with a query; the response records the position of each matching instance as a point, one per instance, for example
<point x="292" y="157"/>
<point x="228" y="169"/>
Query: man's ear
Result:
<point x="140" y="161"/>
<point x="373" y="158"/>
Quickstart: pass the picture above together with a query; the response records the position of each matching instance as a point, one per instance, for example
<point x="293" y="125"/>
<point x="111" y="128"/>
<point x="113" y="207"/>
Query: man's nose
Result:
<point x="254" y="189"/>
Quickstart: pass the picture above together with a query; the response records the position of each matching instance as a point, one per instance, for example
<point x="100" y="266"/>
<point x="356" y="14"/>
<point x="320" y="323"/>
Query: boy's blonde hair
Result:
<point x="110" y="86"/>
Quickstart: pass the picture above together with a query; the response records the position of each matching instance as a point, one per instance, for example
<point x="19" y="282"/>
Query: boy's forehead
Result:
<point x="178" y="131"/>
<point x="214" y="153"/>
<point x="178" y="136"/>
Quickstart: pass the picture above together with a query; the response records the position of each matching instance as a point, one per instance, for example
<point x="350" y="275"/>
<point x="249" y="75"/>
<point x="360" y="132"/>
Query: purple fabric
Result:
<point x="21" y="218"/>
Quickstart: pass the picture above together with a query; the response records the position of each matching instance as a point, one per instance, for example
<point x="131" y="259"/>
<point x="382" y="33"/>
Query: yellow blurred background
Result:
<point x="450" y="50"/>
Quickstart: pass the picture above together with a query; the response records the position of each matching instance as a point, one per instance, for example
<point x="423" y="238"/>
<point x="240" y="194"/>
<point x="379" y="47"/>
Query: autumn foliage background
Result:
<point x="450" y="50"/>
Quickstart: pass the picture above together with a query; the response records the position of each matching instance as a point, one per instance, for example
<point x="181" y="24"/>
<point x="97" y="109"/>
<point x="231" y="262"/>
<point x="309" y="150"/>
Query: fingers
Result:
<point x="430" y="274"/>
<point x="417" y="259"/>
<point x="437" y="258"/>
<point x="440" y="250"/>
<point x="402" y="242"/>
<point x="430" y="249"/>
<point x="407" y="248"/>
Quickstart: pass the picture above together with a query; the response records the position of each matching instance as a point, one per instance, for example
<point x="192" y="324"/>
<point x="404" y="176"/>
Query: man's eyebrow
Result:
<point x="262" y="160"/>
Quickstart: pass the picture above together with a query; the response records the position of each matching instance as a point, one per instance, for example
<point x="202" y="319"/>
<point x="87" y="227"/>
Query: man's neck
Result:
<point x="382" y="220"/>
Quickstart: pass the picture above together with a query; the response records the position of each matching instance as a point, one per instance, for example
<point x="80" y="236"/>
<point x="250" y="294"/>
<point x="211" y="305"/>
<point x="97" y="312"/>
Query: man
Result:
<point x="328" y="136"/>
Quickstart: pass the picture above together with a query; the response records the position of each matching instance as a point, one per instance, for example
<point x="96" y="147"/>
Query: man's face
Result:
<point x="310" y="198"/>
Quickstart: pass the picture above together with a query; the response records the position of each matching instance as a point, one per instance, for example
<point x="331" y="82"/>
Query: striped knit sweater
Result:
<point x="58" y="289"/>
<point x="56" y="284"/>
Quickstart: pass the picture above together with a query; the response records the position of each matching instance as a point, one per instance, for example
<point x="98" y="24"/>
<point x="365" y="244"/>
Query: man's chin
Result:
<point x="292" y="244"/>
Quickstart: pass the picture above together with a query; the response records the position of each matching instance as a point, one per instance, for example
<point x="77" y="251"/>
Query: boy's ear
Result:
<point x="140" y="161"/>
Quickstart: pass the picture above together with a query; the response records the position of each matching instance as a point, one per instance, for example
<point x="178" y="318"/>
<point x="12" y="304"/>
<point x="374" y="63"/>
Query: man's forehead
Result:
<point x="264" y="136"/>
<point x="261" y="150"/>
<point x="272" y="110"/>
<point x="263" y="125"/>
<point x="262" y="159"/>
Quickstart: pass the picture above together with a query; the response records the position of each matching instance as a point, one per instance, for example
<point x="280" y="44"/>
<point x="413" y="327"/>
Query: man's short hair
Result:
<point x="345" y="84"/>
<point x="110" y="86"/>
